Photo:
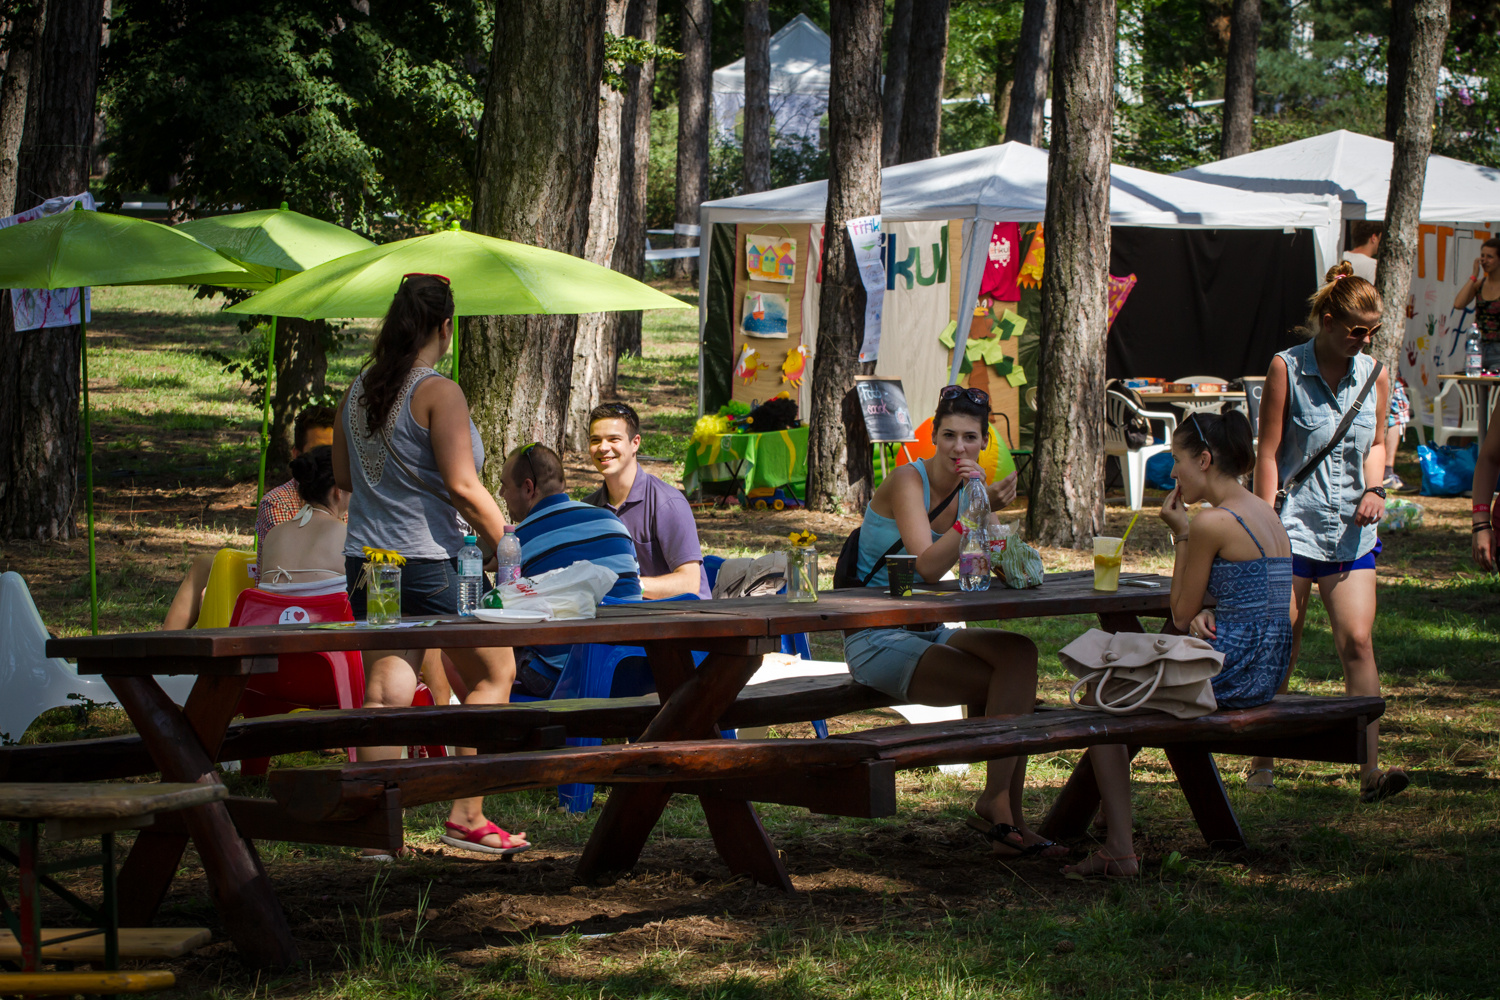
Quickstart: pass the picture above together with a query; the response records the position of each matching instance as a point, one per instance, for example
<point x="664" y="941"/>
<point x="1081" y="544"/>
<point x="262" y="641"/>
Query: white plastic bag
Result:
<point x="570" y="592"/>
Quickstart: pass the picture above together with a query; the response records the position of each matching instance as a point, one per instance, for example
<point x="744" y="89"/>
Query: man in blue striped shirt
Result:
<point x="555" y="532"/>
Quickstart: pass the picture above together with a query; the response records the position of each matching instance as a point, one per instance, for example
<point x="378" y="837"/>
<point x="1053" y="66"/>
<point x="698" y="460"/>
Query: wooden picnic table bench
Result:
<point x="678" y="748"/>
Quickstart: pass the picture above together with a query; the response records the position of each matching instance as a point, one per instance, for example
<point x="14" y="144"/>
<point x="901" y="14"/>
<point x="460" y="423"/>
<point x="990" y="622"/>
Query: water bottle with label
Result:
<point x="973" y="548"/>
<point x="470" y="576"/>
<point x="1473" y="354"/>
<point x="508" y="557"/>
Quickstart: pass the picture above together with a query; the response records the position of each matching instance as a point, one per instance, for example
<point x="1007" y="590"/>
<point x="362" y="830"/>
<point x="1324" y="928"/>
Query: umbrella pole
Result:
<point x="88" y="478"/>
<point x="455" y="350"/>
<point x="265" y="410"/>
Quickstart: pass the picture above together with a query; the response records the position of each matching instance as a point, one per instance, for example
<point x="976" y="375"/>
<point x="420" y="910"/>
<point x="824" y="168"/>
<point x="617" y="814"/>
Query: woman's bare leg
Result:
<point x="188" y="601"/>
<point x="436" y="677"/>
<point x="390" y="682"/>
<point x="1350" y="600"/>
<point x="1112" y="772"/>
<point x="488" y="675"/>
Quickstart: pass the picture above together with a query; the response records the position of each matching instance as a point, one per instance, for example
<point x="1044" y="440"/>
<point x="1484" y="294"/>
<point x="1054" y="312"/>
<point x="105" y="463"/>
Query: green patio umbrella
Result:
<point x="272" y="244"/>
<point x="490" y="277"/>
<point x="80" y="248"/>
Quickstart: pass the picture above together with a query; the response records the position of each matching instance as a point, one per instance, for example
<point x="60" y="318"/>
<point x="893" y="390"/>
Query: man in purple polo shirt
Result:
<point x="656" y="515"/>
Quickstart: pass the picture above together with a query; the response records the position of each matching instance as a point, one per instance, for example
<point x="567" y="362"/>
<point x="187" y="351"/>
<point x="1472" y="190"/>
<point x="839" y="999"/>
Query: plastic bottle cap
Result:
<point x="471" y="539"/>
<point x="510" y="528"/>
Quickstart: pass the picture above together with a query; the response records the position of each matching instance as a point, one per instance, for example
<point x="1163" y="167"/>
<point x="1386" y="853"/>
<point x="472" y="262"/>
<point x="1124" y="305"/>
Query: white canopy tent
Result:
<point x="1008" y="183"/>
<point x="800" y="54"/>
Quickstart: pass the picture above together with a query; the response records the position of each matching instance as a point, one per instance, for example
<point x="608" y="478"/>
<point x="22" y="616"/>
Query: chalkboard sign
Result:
<point x="1254" y="389"/>
<point x="882" y="402"/>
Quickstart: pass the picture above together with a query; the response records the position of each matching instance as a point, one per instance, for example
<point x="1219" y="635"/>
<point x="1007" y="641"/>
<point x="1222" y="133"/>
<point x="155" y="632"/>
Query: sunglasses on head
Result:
<point x="976" y="396"/>
<point x="424" y="274"/>
<point x="526" y="454"/>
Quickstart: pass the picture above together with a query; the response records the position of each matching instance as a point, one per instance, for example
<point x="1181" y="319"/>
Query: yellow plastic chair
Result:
<point x="231" y="574"/>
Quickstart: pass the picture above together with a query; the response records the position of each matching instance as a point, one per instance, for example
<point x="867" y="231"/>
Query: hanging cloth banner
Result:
<point x="864" y="233"/>
<point x="34" y="308"/>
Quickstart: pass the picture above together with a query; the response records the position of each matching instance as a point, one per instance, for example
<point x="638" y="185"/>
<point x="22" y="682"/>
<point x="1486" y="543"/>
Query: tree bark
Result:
<point x="1239" y="79"/>
<point x="1028" y="98"/>
<point x="635" y="161"/>
<point x="593" y="348"/>
<point x="893" y="96"/>
<point x="301" y="376"/>
<point x="536" y="163"/>
<point x="1067" y="500"/>
<point x="1413" y="142"/>
<point x="1397" y="64"/>
<point x="853" y="190"/>
<point x="24" y="44"/>
<point x="39" y="369"/>
<point x="695" y="81"/>
<point x="757" y="96"/>
<point x="922" y="111"/>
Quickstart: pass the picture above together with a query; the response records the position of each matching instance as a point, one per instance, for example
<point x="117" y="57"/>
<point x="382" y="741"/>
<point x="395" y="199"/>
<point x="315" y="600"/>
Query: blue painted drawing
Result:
<point x="765" y="315"/>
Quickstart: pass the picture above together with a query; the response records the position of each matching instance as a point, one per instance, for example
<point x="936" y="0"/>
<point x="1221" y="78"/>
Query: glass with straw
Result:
<point x="1109" y="553"/>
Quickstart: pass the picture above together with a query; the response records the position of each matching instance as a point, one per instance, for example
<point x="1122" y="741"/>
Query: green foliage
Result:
<point x="627" y="50"/>
<point x="361" y="114"/>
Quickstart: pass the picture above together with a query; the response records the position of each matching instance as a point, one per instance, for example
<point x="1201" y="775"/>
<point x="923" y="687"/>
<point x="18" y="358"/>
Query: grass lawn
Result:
<point x="1333" y="898"/>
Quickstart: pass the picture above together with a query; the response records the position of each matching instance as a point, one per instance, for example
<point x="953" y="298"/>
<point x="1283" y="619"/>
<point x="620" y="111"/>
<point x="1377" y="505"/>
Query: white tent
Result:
<point x="1008" y="183"/>
<point x="799" y="82"/>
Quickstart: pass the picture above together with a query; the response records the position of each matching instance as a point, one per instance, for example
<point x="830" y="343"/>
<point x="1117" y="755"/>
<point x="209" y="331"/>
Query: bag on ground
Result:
<point x="1446" y="471"/>
<point x="572" y="591"/>
<point x="1125" y="672"/>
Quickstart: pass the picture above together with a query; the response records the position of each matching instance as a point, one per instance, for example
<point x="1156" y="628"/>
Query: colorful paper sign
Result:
<point x="869" y="256"/>
<point x="771" y="258"/>
<point x="765" y="315"/>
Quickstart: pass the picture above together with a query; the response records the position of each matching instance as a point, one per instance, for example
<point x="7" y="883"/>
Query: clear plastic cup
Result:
<point x="1108" y="554"/>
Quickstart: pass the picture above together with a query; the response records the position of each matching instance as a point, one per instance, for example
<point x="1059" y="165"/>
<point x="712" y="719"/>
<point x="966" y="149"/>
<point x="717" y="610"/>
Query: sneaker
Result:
<point x="1393" y="482"/>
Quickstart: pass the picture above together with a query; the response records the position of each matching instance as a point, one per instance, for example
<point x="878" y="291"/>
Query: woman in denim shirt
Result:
<point x="1332" y="516"/>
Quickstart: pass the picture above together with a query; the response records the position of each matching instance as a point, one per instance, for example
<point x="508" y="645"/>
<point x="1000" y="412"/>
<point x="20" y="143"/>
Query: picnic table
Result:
<point x="678" y="748"/>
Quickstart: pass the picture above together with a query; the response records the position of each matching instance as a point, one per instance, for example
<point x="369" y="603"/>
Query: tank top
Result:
<point x="878" y="533"/>
<point x="1487" y="316"/>
<point x="388" y="509"/>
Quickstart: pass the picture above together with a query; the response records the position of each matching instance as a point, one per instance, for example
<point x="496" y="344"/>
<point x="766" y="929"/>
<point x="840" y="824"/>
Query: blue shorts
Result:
<point x="1316" y="569"/>
<point x="885" y="658"/>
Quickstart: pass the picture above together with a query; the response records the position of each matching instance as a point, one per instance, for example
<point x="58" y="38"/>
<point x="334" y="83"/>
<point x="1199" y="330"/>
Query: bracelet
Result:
<point x="1179" y="541"/>
<point x="958" y="526"/>
<point x="1481" y="508"/>
<point x="1486" y="526"/>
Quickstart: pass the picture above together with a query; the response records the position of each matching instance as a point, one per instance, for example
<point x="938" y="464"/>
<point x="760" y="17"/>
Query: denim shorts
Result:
<point x="1316" y="569"/>
<point x="885" y="658"/>
<point x="428" y="586"/>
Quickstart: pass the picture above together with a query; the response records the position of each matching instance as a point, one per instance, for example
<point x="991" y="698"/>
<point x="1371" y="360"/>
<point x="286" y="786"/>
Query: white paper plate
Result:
<point x="508" y="617"/>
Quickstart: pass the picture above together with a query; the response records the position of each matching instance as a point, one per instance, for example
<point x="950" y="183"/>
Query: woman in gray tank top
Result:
<point x="404" y="446"/>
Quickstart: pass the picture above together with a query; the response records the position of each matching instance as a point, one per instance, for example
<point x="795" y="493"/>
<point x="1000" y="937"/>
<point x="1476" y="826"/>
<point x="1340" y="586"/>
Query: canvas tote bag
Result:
<point x="1124" y="672"/>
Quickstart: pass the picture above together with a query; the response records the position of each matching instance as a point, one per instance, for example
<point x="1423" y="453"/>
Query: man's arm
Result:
<point x="682" y="580"/>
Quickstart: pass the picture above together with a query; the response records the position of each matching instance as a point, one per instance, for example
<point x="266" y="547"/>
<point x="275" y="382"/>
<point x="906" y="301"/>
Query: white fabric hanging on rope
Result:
<point x="35" y="308"/>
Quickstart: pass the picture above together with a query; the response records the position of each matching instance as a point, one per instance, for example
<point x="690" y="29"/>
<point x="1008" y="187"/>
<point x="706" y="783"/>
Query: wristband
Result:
<point x="1486" y="526"/>
<point x="1176" y="540"/>
<point x="1481" y="508"/>
<point x="958" y="526"/>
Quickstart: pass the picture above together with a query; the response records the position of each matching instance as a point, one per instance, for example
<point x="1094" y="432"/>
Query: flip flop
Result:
<point x="1255" y="784"/>
<point x="471" y="840"/>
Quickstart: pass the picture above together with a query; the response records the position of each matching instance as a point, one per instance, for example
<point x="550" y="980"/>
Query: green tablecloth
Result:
<point x="774" y="458"/>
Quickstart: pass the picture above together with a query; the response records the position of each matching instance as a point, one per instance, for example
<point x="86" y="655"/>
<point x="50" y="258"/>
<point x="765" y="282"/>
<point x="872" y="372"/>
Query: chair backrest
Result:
<point x="1255" y="388"/>
<point x="711" y="566"/>
<point x="1030" y="397"/>
<point x="1468" y="404"/>
<point x="259" y="607"/>
<point x="1118" y="413"/>
<point x="230" y="576"/>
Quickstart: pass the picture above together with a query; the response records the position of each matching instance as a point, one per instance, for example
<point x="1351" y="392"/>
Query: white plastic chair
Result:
<point x="1468" y="412"/>
<point x="1118" y="412"/>
<point x="1209" y="405"/>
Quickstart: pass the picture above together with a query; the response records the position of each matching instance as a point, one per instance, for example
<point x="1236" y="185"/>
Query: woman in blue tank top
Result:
<point x="992" y="672"/>
<point x="1235" y="551"/>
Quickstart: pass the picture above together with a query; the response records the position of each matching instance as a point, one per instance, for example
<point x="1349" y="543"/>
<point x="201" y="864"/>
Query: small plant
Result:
<point x="372" y="949"/>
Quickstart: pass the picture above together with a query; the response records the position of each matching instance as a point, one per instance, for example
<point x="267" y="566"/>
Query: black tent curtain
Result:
<point x="1208" y="301"/>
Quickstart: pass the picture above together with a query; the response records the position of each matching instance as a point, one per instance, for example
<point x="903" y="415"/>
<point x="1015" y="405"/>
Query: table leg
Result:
<point x="242" y="893"/>
<point x="1198" y="777"/>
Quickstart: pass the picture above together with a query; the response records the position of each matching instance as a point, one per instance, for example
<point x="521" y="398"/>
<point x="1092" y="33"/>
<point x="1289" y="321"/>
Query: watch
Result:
<point x="1377" y="490"/>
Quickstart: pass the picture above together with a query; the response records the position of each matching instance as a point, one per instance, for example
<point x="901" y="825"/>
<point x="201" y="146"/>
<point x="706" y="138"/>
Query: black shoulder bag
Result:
<point x="846" y="570"/>
<point x="1290" y="486"/>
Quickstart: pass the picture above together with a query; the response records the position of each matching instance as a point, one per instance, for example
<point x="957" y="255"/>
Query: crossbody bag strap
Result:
<point x="422" y="484"/>
<point x="896" y="546"/>
<point x="1290" y="486"/>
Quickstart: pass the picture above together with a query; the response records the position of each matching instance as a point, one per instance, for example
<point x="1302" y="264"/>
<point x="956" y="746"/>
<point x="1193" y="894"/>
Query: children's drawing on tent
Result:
<point x="765" y="315"/>
<point x="35" y="308"/>
<point x="749" y="365"/>
<point x="1031" y="267"/>
<point x="770" y="258"/>
<point x="794" y="368"/>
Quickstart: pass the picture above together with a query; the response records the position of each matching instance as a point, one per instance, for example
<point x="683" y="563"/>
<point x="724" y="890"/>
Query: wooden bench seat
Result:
<point x="135" y="942"/>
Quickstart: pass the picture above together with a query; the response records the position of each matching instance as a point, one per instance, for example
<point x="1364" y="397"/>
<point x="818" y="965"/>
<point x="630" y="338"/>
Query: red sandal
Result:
<point x="472" y="840"/>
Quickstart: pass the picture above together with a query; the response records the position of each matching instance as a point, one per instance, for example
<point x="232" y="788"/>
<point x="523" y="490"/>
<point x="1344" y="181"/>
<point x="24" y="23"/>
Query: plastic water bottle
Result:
<point x="1473" y="357"/>
<point x="470" y="576"/>
<point x="974" y="549"/>
<point x="508" y="556"/>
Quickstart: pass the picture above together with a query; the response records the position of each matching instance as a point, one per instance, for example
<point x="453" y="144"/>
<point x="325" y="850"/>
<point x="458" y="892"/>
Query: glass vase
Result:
<point x="802" y="575"/>
<point x="383" y="600"/>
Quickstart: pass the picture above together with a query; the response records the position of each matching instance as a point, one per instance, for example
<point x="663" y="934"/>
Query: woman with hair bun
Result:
<point x="1332" y="512"/>
<point x="304" y="557"/>
<point x="1235" y="551"/>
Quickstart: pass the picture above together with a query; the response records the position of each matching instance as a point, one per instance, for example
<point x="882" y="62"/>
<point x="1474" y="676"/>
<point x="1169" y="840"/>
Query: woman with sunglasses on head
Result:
<point x="992" y="672"/>
<point x="1331" y="510"/>
<point x="404" y="445"/>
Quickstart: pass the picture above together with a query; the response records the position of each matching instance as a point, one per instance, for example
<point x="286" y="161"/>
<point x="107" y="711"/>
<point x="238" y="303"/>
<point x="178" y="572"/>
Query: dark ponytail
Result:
<point x="313" y="471"/>
<point x="1225" y="435"/>
<point x="421" y="305"/>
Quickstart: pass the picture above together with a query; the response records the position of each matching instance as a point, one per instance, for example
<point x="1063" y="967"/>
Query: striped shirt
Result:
<point x="560" y="532"/>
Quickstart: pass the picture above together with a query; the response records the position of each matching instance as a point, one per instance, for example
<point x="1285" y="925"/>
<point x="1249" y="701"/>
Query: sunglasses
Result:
<point x="1361" y="332"/>
<point x="526" y="454"/>
<point x="621" y="408"/>
<point x="424" y="274"/>
<point x="977" y="396"/>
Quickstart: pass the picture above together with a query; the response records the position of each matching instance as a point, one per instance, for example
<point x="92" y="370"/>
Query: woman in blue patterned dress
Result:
<point x="1238" y="553"/>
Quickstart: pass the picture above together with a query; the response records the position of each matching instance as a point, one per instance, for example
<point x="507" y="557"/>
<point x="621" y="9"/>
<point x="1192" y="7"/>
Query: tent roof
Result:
<point x="1008" y="183"/>
<point x="1356" y="169"/>
<point x="800" y="54"/>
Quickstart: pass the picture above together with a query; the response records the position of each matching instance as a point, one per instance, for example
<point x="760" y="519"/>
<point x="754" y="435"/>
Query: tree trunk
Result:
<point x="1028" y="98"/>
<point x="1239" y="79"/>
<point x="635" y="161"/>
<point x="757" y="96"/>
<point x="301" y="376"/>
<point x="536" y="163"/>
<point x="23" y="46"/>
<point x="893" y="97"/>
<point x="838" y="472"/>
<point x="695" y="81"/>
<point x="593" y="349"/>
<point x="1398" y="247"/>
<point x="1067" y="501"/>
<point x="922" y="111"/>
<point x="1397" y="64"/>
<point x="39" y="369"/>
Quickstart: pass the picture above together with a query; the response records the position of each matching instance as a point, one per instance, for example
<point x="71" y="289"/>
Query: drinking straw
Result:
<point x="1121" y="549"/>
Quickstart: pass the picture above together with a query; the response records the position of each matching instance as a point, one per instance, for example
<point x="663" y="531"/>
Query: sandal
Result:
<point x="999" y="833"/>
<point x="1255" y="783"/>
<point x="472" y="840"/>
<point x="1383" y="784"/>
<point x="1072" y="871"/>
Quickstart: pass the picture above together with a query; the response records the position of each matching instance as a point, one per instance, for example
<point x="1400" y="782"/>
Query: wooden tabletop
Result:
<point x="102" y="801"/>
<point x="1488" y="379"/>
<point x="705" y="621"/>
<point x="1173" y="397"/>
